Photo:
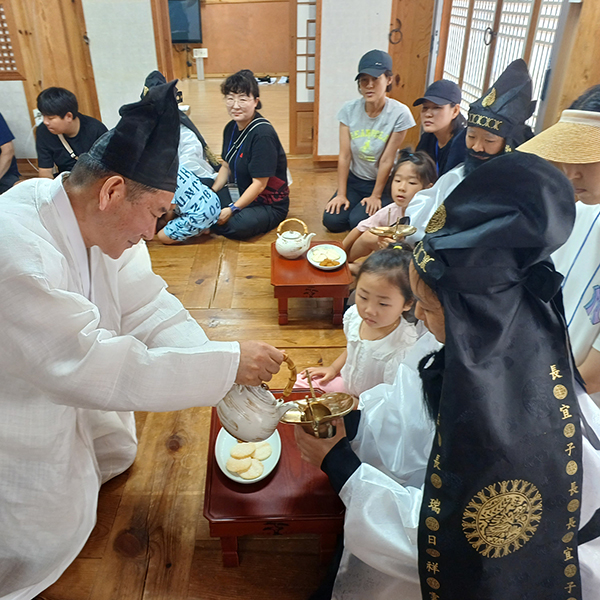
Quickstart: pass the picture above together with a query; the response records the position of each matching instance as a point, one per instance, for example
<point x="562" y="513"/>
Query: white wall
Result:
<point x="349" y="29"/>
<point x="13" y="106"/>
<point x="123" y="51"/>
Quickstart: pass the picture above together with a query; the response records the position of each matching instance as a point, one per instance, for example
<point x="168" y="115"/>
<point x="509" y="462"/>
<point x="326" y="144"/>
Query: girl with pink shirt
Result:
<point x="413" y="172"/>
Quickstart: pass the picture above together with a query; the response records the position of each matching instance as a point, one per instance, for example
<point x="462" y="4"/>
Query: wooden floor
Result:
<point x="151" y="540"/>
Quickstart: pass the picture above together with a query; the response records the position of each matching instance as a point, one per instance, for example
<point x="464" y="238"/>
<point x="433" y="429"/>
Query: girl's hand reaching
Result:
<point x="323" y="374"/>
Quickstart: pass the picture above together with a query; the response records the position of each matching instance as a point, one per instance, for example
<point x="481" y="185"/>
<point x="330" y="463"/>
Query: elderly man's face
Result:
<point x="482" y="141"/>
<point x="586" y="181"/>
<point x="124" y="222"/>
<point x="428" y="308"/>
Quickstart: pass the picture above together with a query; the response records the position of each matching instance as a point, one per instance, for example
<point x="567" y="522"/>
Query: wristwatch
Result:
<point x="234" y="208"/>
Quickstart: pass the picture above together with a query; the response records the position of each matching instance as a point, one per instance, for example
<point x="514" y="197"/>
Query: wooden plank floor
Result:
<point x="151" y="540"/>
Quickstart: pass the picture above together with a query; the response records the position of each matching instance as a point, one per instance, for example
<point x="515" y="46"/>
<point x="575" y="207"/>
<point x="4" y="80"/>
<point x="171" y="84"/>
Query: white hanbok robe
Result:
<point x="81" y="340"/>
<point x="383" y="496"/>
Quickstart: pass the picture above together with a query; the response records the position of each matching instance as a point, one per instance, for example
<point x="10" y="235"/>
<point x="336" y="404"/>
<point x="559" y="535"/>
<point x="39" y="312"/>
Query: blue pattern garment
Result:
<point x="198" y="207"/>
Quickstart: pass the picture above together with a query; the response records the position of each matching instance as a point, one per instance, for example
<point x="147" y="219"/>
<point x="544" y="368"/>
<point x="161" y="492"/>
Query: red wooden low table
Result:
<point x="297" y="278"/>
<point x="295" y="498"/>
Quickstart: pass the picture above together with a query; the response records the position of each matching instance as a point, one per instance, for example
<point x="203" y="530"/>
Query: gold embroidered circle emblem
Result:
<point x="436" y="481"/>
<point x="433" y="583"/>
<point x="570" y="570"/>
<point x="502" y="517"/>
<point x="569" y="430"/>
<point x="508" y="148"/>
<point x="573" y="505"/>
<point x="432" y="552"/>
<point x="571" y="467"/>
<point x="432" y="523"/>
<point x="437" y="221"/>
<point x="560" y="392"/>
<point x="568" y="537"/>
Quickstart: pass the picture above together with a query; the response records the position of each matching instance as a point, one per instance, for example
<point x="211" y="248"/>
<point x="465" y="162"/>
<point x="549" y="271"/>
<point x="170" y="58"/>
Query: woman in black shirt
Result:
<point x="254" y="165"/>
<point x="443" y="125"/>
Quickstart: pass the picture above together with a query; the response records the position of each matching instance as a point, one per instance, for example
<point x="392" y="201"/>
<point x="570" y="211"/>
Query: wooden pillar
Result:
<point x="410" y="42"/>
<point x="54" y="45"/>
<point x="162" y="38"/>
<point x="580" y="57"/>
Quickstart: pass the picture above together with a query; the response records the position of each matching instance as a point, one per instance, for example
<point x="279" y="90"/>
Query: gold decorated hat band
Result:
<point x="486" y="122"/>
<point x="575" y="139"/>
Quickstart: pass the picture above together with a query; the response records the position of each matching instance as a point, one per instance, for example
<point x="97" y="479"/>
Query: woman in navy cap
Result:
<point x="372" y="129"/>
<point x="443" y="125"/>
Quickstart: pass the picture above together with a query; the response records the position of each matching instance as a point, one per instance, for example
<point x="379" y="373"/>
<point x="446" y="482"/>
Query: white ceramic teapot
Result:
<point x="252" y="413"/>
<point x="291" y="243"/>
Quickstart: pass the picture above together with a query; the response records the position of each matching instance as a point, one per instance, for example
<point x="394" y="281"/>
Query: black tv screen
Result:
<point x="185" y="21"/>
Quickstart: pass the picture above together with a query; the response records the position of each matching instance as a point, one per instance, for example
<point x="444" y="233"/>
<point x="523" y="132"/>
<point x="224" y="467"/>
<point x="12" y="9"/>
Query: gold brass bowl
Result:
<point x="395" y="232"/>
<point x="315" y="416"/>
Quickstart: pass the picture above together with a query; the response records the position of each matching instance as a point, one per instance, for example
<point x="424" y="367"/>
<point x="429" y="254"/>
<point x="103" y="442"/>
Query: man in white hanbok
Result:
<point x="380" y="469"/>
<point x="89" y="335"/>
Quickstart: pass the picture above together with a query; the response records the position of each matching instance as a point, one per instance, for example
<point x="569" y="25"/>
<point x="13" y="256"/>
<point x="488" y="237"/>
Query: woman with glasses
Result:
<point x="372" y="129"/>
<point x="254" y="165"/>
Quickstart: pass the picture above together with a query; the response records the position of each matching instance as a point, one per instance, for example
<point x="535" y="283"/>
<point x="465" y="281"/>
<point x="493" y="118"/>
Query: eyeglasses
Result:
<point x="241" y="100"/>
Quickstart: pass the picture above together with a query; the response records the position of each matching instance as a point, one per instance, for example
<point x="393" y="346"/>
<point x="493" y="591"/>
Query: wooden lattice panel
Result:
<point x="9" y="56"/>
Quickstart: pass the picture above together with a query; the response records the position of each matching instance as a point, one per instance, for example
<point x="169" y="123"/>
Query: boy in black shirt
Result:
<point x="65" y="133"/>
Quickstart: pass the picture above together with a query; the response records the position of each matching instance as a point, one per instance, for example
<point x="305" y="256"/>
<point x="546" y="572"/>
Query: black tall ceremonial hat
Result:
<point x="502" y="495"/>
<point x="143" y="145"/>
<point x="155" y="78"/>
<point x="506" y="105"/>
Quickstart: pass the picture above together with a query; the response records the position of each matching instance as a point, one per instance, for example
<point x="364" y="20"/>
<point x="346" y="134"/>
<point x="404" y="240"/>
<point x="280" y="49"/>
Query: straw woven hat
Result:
<point x="575" y="139"/>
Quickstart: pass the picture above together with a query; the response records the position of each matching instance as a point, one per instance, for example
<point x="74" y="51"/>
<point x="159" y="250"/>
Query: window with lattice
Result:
<point x="10" y="58"/>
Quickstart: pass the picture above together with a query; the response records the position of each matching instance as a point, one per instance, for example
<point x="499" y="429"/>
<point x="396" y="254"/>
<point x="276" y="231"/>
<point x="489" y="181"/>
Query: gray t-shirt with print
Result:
<point x="369" y="136"/>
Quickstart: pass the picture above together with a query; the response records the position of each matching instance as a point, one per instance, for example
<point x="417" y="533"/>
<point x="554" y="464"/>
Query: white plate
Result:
<point x="226" y="442"/>
<point x="314" y="263"/>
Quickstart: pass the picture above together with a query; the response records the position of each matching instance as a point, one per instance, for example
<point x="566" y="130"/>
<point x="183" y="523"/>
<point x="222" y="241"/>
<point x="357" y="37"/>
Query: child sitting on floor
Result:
<point x="412" y="173"/>
<point x="377" y="334"/>
<point x="194" y="208"/>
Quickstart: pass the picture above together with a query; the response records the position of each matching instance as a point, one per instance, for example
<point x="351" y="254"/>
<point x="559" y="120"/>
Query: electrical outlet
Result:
<point x="37" y="117"/>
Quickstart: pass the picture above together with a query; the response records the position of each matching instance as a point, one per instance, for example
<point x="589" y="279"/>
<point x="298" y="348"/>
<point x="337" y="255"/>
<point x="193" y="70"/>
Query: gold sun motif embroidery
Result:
<point x="502" y="517"/>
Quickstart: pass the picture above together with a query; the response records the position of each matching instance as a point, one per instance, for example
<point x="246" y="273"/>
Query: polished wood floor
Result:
<point x="151" y="540"/>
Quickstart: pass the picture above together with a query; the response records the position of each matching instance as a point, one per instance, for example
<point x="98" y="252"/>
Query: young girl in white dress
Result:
<point x="376" y="329"/>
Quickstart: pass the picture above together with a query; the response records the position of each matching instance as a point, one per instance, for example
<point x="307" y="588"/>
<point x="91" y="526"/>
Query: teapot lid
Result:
<point x="291" y="235"/>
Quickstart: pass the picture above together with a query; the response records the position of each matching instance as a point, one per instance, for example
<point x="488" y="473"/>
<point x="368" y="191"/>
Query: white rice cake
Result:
<point x="256" y="470"/>
<point x="262" y="451"/>
<point x="238" y="465"/>
<point x="242" y="450"/>
<point x="320" y="254"/>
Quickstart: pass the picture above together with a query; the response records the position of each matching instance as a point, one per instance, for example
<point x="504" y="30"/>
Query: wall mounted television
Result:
<point x="186" y="27"/>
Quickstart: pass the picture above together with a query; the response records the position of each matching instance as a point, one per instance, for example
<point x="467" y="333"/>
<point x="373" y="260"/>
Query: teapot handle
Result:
<point x="293" y="373"/>
<point x="280" y="229"/>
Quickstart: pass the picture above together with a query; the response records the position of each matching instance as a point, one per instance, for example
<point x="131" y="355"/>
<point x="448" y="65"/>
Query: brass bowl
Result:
<point x="325" y="408"/>
<point x="394" y="232"/>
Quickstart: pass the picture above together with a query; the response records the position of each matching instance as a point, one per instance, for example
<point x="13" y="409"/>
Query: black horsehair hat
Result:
<point x="502" y="496"/>
<point x="506" y="105"/>
<point x="143" y="145"/>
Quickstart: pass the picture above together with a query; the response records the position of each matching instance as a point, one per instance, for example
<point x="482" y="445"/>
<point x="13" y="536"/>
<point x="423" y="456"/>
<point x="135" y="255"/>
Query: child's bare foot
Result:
<point x="354" y="268"/>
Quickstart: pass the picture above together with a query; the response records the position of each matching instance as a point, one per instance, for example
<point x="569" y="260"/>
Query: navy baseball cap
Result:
<point x="374" y="63"/>
<point x="441" y="92"/>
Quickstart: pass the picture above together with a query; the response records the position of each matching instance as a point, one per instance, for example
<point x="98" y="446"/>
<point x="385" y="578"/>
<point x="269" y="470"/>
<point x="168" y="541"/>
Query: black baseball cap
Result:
<point x="441" y="92"/>
<point x="374" y="63"/>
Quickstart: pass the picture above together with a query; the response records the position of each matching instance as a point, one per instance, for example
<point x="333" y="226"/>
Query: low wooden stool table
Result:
<point x="295" y="498"/>
<point x="297" y="278"/>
